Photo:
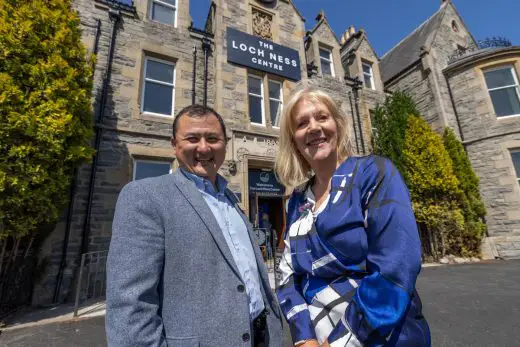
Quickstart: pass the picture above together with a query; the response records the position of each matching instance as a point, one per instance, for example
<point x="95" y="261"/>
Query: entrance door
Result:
<point x="273" y="208"/>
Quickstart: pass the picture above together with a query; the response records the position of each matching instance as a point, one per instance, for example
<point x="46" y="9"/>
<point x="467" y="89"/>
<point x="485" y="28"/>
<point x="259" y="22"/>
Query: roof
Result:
<point x="408" y="51"/>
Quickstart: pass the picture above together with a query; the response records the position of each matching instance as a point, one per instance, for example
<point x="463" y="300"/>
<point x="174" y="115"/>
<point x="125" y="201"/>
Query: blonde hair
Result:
<point x="290" y="166"/>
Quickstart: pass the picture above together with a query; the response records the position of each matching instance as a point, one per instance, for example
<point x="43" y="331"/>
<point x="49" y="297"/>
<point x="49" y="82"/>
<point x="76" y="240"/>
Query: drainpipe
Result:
<point x="356" y="97"/>
<point x="206" y="47"/>
<point x="194" y="77"/>
<point x="72" y="194"/>
<point x="355" y="84"/>
<point x="115" y="17"/>
<point x="353" y="120"/>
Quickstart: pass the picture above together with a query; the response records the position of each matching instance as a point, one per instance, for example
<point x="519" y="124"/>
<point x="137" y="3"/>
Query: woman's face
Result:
<point x="316" y="132"/>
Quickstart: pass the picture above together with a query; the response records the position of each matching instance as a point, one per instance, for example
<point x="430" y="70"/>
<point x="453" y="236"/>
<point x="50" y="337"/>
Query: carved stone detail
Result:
<point x="262" y="23"/>
<point x="241" y="152"/>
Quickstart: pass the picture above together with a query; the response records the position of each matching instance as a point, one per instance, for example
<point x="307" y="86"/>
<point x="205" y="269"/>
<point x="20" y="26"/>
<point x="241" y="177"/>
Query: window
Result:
<point x="502" y="85"/>
<point x="164" y="11"/>
<point x="150" y="168"/>
<point x="515" y="156"/>
<point x="265" y="110"/>
<point x="368" y="76"/>
<point x="158" y="87"/>
<point x="372" y="115"/>
<point x="454" y="26"/>
<point x="255" y="89"/>
<point x="275" y="102"/>
<point x="327" y="67"/>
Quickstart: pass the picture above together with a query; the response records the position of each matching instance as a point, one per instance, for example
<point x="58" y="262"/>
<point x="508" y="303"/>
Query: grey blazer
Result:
<point x="171" y="278"/>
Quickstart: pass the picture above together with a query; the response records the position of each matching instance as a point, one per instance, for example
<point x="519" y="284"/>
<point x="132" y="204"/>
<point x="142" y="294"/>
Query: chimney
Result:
<point x="351" y="30"/>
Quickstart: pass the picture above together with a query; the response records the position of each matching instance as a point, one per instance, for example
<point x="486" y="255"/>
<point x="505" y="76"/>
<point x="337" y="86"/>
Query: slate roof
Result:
<point x="408" y="51"/>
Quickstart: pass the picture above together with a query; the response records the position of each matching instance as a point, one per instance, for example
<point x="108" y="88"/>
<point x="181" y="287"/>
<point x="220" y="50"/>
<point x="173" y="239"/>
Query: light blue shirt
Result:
<point x="236" y="235"/>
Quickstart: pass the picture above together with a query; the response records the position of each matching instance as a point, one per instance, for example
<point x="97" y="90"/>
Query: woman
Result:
<point x="352" y="250"/>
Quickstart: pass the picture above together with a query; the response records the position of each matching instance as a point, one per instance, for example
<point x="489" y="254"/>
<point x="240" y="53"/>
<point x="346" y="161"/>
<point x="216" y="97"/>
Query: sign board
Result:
<point x="264" y="182"/>
<point x="260" y="54"/>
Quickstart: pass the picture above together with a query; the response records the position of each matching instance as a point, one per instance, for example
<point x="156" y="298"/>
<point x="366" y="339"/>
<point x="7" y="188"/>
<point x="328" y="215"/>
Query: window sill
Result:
<point x="507" y="117"/>
<point x="156" y="22"/>
<point x="157" y="117"/>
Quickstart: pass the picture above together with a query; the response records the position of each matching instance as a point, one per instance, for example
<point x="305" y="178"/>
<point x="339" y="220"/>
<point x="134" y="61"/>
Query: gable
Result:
<point x="408" y="51"/>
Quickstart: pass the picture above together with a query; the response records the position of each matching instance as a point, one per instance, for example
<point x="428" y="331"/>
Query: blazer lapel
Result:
<point x="195" y="199"/>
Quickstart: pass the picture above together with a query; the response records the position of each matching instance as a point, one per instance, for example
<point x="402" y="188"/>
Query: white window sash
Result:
<point x="369" y="74"/>
<point x="165" y="4"/>
<point x="511" y="71"/>
<point x="279" y="101"/>
<point x="328" y="60"/>
<point x="173" y="7"/>
<point x="151" y="80"/>
<point x="261" y="97"/>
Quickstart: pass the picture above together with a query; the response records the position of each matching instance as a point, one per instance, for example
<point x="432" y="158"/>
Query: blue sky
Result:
<point x="388" y="21"/>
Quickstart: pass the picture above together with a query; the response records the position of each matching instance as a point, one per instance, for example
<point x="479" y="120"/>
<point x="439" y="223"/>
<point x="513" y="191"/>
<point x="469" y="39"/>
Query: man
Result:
<point x="182" y="269"/>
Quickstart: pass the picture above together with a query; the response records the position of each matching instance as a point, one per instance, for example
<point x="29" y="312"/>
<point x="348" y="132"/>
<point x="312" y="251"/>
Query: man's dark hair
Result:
<point x="198" y="111"/>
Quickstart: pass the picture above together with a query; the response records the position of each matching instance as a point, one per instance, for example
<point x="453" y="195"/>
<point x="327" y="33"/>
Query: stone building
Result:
<point x="471" y="87"/>
<point x="152" y="62"/>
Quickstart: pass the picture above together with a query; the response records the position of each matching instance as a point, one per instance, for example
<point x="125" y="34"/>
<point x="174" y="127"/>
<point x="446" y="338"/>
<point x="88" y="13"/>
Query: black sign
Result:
<point x="264" y="182"/>
<point x="264" y="55"/>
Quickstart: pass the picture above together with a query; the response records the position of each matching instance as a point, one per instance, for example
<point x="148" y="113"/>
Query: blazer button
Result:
<point x="240" y="288"/>
<point x="267" y="312"/>
<point x="246" y="337"/>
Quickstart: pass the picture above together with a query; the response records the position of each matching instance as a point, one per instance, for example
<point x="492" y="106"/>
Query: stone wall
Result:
<point x="445" y="44"/>
<point x="126" y="132"/>
<point x="488" y="141"/>
<point x="416" y="83"/>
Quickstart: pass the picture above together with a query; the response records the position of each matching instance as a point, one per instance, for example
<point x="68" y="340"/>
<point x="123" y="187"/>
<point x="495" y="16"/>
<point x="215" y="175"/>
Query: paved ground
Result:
<point x="466" y="305"/>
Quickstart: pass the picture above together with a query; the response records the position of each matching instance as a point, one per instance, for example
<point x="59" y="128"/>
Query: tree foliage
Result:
<point x="444" y="188"/>
<point x="391" y="122"/>
<point x="433" y="185"/>
<point x="472" y="206"/>
<point x="45" y="111"/>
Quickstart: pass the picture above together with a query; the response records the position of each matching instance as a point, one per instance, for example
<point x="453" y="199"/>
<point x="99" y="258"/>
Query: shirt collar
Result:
<point x="205" y="184"/>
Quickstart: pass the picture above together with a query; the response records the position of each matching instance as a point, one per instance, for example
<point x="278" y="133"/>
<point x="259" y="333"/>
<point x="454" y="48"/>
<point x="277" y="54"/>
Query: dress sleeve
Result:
<point x="394" y="254"/>
<point x="289" y="292"/>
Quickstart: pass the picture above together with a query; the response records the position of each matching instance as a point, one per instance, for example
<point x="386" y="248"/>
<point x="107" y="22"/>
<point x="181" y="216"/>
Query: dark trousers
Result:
<point x="259" y="330"/>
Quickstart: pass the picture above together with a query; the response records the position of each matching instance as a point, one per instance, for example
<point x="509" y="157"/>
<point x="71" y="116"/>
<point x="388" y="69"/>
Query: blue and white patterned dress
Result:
<point x="349" y="269"/>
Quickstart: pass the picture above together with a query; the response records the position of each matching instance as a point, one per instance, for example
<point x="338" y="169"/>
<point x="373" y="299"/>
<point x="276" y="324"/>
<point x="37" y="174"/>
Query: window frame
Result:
<point x="371" y="75"/>
<point x="512" y="70"/>
<point x="330" y="60"/>
<point x="262" y="99"/>
<point x="164" y="4"/>
<point x="280" y="101"/>
<point x="517" y="173"/>
<point x="135" y="161"/>
<point x="145" y="79"/>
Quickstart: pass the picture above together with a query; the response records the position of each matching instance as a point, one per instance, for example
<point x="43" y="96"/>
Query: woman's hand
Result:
<point x="312" y="343"/>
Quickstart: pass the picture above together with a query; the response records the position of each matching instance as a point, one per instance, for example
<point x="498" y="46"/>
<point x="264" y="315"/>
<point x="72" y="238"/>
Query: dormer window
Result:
<point x="164" y="11"/>
<point x="327" y="66"/>
<point x="368" y="76"/>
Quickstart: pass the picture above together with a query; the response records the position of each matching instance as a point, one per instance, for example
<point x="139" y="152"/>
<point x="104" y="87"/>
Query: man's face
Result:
<point x="200" y="145"/>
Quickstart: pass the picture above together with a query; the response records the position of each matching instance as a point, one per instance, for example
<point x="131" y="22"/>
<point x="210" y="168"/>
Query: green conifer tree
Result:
<point x="433" y="186"/>
<point x="45" y="111"/>
<point x="472" y="206"/>
<point x="391" y="122"/>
